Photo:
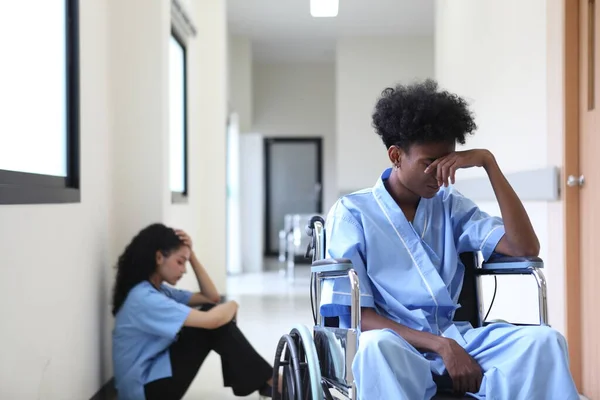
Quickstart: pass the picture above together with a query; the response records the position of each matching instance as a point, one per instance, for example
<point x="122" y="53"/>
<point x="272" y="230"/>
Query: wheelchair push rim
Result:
<point x="296" y="361"/>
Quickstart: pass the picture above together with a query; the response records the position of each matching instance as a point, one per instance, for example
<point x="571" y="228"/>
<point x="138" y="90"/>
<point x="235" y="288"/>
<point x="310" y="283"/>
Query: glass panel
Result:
<point x="177" y="115"/>
<point x="33" y="98"/>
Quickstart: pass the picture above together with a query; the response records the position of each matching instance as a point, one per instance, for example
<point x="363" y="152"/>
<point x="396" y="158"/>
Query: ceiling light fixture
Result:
<point x="324" y="8"/>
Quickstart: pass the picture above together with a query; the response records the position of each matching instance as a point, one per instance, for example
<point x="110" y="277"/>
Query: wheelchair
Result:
<point x="317" y="365"/>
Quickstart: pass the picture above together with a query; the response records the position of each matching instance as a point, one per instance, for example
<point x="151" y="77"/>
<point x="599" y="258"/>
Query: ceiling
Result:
<point x="284" y="30"/>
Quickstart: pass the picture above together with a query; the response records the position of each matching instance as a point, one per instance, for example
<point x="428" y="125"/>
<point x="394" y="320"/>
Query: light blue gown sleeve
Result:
<point x="157" y="314"/>
<point x="345" y="239"/>
<point x="179" y="295"/>
<point x="474" y="230"/>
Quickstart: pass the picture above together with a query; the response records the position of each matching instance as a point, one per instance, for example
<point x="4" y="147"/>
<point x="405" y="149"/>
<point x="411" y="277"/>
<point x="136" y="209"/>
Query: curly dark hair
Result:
<point x="420" y="113"/>
<point x="138" y="261"/>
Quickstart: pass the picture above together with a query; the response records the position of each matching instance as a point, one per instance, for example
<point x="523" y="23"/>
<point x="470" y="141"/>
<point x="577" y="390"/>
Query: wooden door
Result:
<point x="582" y="194"/>
<point x="589" y="195"/>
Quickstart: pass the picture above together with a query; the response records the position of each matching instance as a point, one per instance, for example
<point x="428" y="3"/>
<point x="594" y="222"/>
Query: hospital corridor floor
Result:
<point x="270" y="306"/>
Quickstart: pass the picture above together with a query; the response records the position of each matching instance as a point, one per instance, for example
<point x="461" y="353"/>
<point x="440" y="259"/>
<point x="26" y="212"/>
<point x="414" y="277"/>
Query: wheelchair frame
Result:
<point x="318" y="365"/>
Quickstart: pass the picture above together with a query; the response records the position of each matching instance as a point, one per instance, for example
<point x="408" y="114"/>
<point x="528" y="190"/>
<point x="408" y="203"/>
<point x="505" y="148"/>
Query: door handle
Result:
<point x="572" y="180"/>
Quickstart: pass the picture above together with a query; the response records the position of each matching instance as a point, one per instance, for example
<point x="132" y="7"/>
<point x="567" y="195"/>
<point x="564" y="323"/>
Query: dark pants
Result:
<point x="244" y="370"/>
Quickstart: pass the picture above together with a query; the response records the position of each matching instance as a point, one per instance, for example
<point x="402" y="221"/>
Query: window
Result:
<point x="39" y="102"/>
<point x="177" y="119"/>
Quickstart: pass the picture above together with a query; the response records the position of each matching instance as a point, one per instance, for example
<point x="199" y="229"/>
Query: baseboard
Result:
<point x="106" y="392"/>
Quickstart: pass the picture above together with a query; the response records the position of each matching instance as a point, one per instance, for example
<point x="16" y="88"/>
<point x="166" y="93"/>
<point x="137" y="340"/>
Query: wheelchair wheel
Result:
<point x="296" y="361"/>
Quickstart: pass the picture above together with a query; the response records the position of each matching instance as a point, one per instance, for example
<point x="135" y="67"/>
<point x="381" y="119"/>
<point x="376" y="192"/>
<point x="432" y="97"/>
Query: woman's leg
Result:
<point x="187" y="355"/>
<point x="522" y="362"/>
<point x="244" y="370"/>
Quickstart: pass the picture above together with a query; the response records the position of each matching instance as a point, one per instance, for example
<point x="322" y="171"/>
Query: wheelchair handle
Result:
<point x="317" y="233"/>
<point x="314" y="219"/>
<point x="311" y="224"/>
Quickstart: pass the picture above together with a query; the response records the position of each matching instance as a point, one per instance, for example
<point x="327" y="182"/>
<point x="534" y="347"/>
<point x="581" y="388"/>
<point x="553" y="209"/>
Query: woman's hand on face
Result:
<point x="185" y="238"/>
<point x="445" y="167"/>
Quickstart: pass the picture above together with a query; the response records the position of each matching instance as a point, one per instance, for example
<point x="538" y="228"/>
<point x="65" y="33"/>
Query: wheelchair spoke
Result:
<point x="289" y="392"/>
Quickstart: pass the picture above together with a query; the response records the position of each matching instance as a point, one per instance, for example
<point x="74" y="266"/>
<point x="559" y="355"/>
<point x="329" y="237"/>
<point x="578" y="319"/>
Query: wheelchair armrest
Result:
<point x="332" y="266"/>
<point x="499" y="264"/>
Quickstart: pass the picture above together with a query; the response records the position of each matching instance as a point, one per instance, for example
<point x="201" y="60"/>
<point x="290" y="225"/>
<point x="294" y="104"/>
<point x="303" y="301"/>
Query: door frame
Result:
<point x="268" y="141"/>
<point x="571" y="194"/>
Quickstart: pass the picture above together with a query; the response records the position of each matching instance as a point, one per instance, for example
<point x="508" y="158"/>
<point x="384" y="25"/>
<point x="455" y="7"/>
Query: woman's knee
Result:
<point x="227" y="328"/>
<point x="545" y="337"/>
<point x="543" y="334"/>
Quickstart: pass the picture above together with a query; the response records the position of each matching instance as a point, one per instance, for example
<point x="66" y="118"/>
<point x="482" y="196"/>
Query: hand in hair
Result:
<point x="185" y="238"/>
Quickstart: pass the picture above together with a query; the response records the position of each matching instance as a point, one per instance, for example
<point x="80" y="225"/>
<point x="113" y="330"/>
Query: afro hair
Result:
<point x="421" y="113"/>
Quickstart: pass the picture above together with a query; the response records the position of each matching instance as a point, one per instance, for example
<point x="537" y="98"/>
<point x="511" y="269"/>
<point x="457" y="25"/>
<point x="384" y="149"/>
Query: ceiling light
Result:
<point x="324" y="8"/>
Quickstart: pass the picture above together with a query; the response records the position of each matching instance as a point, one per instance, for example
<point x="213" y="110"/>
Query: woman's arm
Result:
<point x="214" y="318"/>
<point x="199" y="299"/>
<point x="208" y="292"/>
<point x="423" y="341"/>
<point x="520" y="238"/>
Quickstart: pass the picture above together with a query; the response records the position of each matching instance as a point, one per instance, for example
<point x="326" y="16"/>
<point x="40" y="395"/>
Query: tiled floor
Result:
<point x="270" y="306"/>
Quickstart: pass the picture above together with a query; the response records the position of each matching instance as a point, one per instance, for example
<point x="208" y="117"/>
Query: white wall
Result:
<point x="205" y="215"/>
<point x="140" y="106"/>
<point x="497" y="59"/>
<point x="365" y="66"/>
<point x="240" y="79"/>
<point x="298" y="100"/>
<point x="58" y="259"/>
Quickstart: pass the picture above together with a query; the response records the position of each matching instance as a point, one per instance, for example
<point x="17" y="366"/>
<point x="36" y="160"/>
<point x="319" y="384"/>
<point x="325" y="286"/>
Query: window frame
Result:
<point x="30" y="188"/>
<point x="182" y="197"/>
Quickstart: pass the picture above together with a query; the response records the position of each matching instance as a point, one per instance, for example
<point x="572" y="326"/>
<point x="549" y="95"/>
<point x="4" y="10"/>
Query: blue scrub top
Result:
<point x="145" y="326"/>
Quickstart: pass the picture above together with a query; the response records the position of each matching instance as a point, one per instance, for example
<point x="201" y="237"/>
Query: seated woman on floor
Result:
<point x="159" y="339"/>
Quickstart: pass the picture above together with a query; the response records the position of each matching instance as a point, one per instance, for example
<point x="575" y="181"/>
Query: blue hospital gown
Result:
<point x="411" y="274"/>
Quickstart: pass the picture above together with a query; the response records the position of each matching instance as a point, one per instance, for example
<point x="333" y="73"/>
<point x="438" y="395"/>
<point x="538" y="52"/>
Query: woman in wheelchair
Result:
<point x="404" y="237"/>
<point x="159" y="339"/>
